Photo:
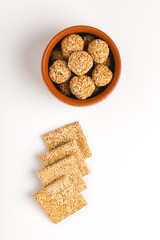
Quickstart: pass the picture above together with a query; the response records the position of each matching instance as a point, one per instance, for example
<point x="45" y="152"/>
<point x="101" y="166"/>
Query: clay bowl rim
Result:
<point x="59" y="37"/>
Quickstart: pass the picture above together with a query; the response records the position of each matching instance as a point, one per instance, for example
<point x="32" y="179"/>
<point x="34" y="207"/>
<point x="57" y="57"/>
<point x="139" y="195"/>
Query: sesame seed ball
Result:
<point x="80" y="62"/>
<point x="99" y="50"/>
<point x="87" y="39"/>
<point x="59" y="72"/>
<point x="65" y="88"/>
<point x="70" y="44"/>
<point x="101" y="75"/>
<point x="56" y="54"/>
<point x="82" y="86"/>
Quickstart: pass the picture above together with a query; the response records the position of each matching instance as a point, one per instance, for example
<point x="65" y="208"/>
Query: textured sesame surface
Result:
<point x="101" y="75"/>
<point x="87" y="39"/>
<point x="59" y="71"/>
<point x="68" y="149"/>
<point x="82" y="86"/>
<point x="80" y="62"/>
<point x="70" y="44"/>
<point x="99" y="50"/>
<point x="65" y="88"/>
<point x="67" y="166"/>
<point x="80" y="55"/>
<point x="65" y="134"/>
<point x="56" y="54"/>
<point x="60" y="199"/>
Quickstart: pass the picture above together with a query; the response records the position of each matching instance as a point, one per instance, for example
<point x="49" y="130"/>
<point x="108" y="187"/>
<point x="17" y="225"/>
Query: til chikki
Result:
<point x="67" y="166"/>
<point x="60" y="199"/>
<point x="68" y="149"/>
<point x="67" y="133"/>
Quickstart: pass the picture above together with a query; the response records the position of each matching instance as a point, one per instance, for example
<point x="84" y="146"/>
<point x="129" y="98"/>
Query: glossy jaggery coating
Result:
<point x="59" y="72"/>
<point x="101" y="75"/>
<point x="82" y="86"/>
<point x="70" y="44"/>
<point x="99" y="50"/>
<point x="80" y="62"/>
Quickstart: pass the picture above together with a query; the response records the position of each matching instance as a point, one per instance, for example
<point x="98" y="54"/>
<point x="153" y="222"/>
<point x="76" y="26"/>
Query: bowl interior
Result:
<point x="117" y="65"/>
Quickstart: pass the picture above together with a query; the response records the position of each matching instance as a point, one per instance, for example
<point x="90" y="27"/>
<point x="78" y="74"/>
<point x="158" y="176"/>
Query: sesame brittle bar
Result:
<point x="67" y="133"/>
<point x="60" y="199"/>
<point x="67" y="166"/>
<point x="68" y="149"/>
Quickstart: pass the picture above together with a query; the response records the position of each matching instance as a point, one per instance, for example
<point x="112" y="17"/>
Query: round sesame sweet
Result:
<point x="99" y="50"/>
<point x="80" y="62"/>
<point x="56" y="54"/>
<point x="82" y="86"/>
<point x="70" y="44"/>
<point x="59" y="72"/>
<point x="101" y="75"/>
<point x="87" y="39"/>
<point x="65" y="88"/>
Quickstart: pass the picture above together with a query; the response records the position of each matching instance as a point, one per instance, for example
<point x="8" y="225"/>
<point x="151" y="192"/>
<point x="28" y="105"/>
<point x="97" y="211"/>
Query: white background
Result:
<point x="123" y="131"/>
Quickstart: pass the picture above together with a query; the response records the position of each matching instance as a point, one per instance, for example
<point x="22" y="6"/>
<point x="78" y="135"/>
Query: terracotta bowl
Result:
<point x="52" y="44"/>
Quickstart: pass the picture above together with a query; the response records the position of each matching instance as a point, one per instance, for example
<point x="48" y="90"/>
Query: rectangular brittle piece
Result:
<point x="67" y="133"/>
<point x="60" y="199"/>
<point x="68" y="149"/>
<point x="66" y="166"/>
